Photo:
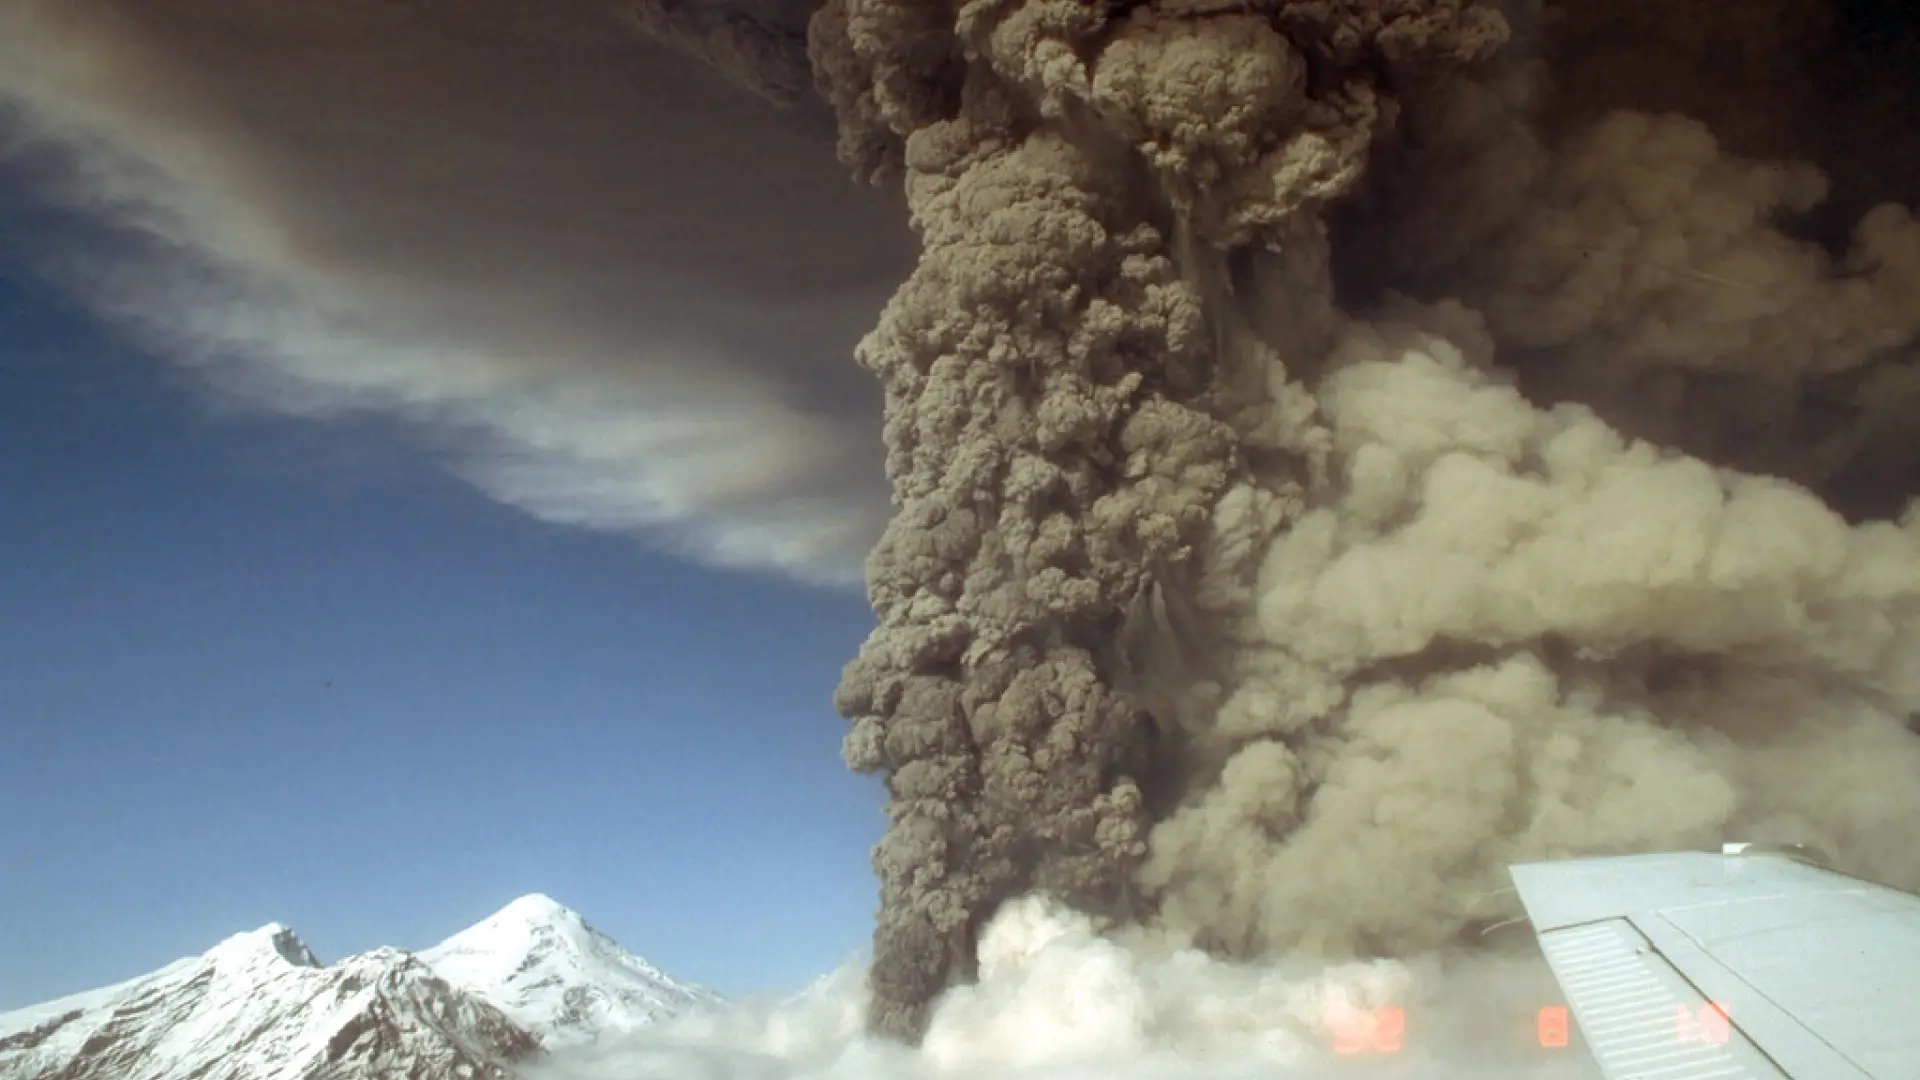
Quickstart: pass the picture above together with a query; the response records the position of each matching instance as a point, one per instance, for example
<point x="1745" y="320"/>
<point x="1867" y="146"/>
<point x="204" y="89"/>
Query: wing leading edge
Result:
<point x="1746" y="965"/>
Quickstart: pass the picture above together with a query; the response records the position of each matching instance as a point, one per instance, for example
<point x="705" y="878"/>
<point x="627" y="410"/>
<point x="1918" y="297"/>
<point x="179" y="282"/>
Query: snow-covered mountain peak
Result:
<point x="261" y="1006"/>
<point x="269" y="943"/>
<point x="543" y="965"/>
<point x="532" y="922"/>
<point x="537" y="908"/>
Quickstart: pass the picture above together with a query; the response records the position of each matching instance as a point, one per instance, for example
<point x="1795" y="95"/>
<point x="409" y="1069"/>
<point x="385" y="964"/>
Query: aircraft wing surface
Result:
<point x="1736" y="966"/>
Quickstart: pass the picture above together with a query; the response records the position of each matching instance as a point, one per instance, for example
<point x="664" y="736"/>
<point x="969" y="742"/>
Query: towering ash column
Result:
<point x="1059" y="401"/>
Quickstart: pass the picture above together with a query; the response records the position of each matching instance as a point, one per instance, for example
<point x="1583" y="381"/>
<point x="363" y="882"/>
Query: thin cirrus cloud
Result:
<point x="614" y="290"/>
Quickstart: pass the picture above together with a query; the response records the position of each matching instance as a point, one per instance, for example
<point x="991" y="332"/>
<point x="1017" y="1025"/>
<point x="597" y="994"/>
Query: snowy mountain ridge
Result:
<point x="261" y="1006"/>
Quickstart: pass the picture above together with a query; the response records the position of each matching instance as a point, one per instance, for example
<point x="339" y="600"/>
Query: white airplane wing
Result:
<point x="1746" y="965"/>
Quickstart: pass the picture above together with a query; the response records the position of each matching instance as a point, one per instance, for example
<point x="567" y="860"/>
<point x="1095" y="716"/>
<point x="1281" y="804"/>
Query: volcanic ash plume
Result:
<point x="1318" y="464"/>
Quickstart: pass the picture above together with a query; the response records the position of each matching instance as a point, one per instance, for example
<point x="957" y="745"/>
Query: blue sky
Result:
<point x="256" y="669"/>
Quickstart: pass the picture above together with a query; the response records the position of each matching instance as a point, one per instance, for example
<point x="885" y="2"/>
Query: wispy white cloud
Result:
<point x="619" y="292"/>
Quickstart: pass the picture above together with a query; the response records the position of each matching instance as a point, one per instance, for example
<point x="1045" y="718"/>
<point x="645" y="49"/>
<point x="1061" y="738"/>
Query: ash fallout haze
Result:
<point x="1337" y="448"/>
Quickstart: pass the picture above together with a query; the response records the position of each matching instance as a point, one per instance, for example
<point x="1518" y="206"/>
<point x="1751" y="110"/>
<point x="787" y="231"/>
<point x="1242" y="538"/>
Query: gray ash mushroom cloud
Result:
<point x="1341" y="448"/>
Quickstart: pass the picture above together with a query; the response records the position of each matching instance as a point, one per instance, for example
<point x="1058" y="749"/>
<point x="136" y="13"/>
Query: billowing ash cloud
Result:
<point x="1344" y="448"/>
<point x="612" y="289"/>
